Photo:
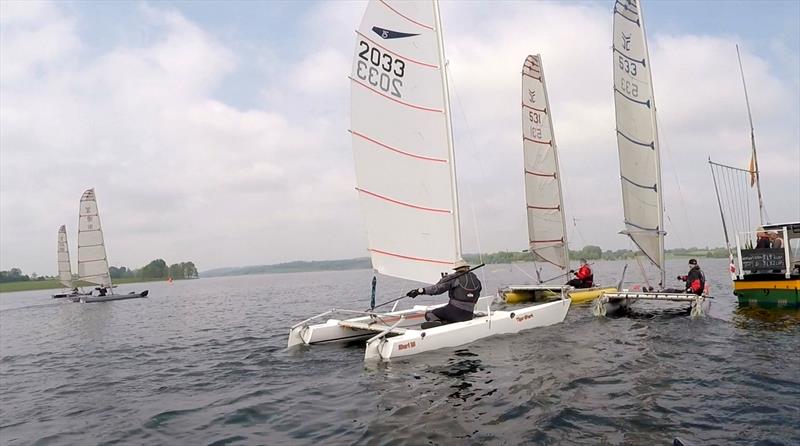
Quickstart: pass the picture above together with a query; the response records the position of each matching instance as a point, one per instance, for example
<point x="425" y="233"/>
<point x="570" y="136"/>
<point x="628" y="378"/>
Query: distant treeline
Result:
<point x="156" y="269"/>
<point x="293" y="267"/>
<point x="589" y="252"/>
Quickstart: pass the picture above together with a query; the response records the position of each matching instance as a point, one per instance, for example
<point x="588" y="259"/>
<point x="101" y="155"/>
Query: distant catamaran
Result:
<point x="92" y="260"/>
<point x="65" y="267"/>
<point x="405" y="169"/>
<point x="639" y="159"/>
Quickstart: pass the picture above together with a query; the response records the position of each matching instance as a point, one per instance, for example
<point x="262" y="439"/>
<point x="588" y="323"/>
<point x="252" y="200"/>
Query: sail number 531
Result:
<point x="380" y="68"/>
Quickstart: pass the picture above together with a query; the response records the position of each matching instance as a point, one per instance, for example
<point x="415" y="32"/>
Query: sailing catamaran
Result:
<point x="405" y="168"/>
<point x="639" y="160"/>
<point x="763" y="277"/>
<point x="65" y="268"/>
<point x="92" y="260"/>
<point x="547" y="229"/>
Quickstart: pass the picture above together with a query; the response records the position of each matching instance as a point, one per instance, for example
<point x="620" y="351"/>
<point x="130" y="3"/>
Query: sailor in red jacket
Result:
<point x="695" y="281"/>
<point x="583" y="277"/>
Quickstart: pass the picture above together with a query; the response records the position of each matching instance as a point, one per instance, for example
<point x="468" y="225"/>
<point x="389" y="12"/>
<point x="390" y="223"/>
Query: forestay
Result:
<point x="400" y="125"/>
<point x="637" y="135"/>
<point x="92" y="261"/>
<point x="64" y="267"/>
<point x="545" y="207"/>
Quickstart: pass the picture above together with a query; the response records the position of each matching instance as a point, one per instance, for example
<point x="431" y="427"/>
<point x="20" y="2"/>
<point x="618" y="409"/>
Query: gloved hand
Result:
<point x="415" y="292"/>
<point x="572" y="271"/>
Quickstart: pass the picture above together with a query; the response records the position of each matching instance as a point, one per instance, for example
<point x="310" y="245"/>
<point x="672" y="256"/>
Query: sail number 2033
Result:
<point x="380" y="68"/>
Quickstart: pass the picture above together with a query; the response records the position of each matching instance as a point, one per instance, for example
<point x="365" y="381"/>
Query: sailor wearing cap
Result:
<point x="463" y="288"/>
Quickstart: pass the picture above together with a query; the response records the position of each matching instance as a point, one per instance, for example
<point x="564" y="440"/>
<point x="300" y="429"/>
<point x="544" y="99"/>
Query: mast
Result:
<point x="450" y="148"/>
<point x="657" y="146"/>
<point x="558" y="170"/>
<point x="752" y="140"/>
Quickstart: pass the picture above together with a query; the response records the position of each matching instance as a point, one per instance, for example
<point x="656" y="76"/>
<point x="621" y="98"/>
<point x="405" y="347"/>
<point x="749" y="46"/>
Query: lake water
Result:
<point x="204" y="362"/>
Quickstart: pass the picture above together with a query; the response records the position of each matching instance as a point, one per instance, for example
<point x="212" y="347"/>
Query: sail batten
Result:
<point x="64" y="266"/>
<point x="92" y="260"/>
<point x="547" y="238"/>
<point x="402" y="143"/>
<point x="637" y="133"/>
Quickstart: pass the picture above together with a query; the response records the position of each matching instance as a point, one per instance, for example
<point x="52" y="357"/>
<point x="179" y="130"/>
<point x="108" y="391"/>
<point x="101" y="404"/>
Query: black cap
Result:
<point x="692" y="262"/>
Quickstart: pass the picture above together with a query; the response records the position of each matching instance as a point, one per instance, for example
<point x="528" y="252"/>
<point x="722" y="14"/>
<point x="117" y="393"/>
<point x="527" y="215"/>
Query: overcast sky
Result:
<point x="217" y="132"/>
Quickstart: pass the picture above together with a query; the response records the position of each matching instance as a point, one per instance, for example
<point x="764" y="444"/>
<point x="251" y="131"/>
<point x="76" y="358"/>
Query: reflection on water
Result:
<point x="776" y="319"/>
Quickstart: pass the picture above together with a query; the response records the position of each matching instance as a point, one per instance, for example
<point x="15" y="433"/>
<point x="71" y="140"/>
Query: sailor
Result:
<point x="584" y="278"/>
<point x="463" y="288"/>
<point x="762" y="239"/>
<point x="75" y="290"/>
<point x="695" y="280"/>
<point x="101" y="291"/>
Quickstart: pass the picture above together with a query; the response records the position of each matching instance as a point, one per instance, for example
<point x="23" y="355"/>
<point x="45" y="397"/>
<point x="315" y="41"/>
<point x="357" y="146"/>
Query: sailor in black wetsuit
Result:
<point x="463" y="288"/>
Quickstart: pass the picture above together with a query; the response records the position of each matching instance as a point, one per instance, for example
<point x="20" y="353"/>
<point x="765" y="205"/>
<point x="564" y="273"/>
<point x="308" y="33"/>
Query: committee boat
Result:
<point x="639" y="158"/>
<point x="405" y="169"/>
<point x="92" y="259"/>
<point x="765" y="275"/>
<point x="544" y="203"/>
<point x="65" y="267"/>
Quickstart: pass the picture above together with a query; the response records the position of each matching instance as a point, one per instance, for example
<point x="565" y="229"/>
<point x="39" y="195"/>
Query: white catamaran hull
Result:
<point x="397" y="334"/>
<point x="613" y="302"/>
<point x="110" y="297"/>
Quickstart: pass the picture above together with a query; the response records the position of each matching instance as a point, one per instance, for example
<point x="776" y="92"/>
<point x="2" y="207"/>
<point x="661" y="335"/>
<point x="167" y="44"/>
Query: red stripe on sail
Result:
<point x="406" y="17"/>
<point x="553" y="175"/>
<point x="532" y="77"/>
<point x="537" y="141"/>
<point x="394" y="149"/>
<point x="419" y="259"/>
<point x="547" y="241"/>
<point x="424" y="64"/>
<point x="418" y="107"/>
<point x="402" y="203"/>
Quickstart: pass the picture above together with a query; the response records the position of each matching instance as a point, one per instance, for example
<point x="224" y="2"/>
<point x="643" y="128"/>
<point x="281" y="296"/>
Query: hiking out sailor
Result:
<point x="584" y="278"/>
<point x="695" y="280"/>
<point x="463" y="288"/>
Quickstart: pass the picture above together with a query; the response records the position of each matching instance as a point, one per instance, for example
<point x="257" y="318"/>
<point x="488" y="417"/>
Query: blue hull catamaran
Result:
<point x="92" y="259"/>
<point x="639" y="159"/>
<point x="405" y="169"/>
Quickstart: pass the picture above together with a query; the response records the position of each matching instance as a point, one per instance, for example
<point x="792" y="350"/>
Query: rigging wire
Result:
<point x="468" y="128"/>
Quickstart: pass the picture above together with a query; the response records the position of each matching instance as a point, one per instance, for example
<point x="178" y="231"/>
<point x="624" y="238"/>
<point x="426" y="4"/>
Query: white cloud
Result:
<point x="183" y="175"/>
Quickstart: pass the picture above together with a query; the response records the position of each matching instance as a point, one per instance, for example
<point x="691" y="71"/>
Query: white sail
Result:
<point x="64" y="267"/>
<point x="92" y="261"/>
<point x="546" y="226"/>
<point x="637" y="135"/>
<point x="402" y="142"/>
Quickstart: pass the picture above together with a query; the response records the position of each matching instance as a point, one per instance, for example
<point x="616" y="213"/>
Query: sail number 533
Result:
<point x="380" y="69"/>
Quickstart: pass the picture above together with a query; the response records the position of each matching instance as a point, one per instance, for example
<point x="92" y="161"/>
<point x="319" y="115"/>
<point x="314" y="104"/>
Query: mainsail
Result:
<point x="64" y="267"/>
<point x="402" y="141"/>
<point x="637" y="135"/>
<point x="92" y="261"/>
<point x="546" y="226"/>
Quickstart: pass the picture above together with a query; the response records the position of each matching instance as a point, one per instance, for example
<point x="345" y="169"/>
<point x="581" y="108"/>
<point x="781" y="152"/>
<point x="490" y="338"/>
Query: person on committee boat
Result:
<point x="762" y="239"/>
<point x="695" y="280"/>
<point x="463" y="289"/>
<point x="584" y="278"/>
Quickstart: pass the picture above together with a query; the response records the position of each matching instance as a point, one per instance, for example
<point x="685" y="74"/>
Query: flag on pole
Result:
<point x="752" y="171"/>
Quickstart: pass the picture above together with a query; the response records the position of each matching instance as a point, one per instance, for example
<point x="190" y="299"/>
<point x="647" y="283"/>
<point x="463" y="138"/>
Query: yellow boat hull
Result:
<point x="582" y="296"/>
<point x="578" y="295"/>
